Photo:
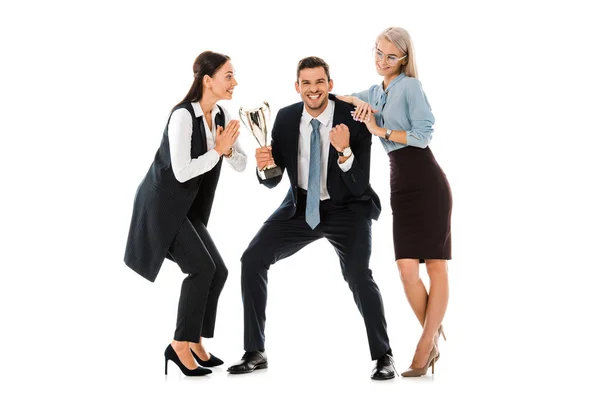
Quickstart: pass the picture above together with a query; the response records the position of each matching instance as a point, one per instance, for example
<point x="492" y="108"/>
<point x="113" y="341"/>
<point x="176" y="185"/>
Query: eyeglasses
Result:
<point x="389" y="59"/>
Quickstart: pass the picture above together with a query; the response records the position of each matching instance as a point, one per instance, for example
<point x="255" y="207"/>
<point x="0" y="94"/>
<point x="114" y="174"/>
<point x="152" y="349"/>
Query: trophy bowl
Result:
<point x="257" y="120"/>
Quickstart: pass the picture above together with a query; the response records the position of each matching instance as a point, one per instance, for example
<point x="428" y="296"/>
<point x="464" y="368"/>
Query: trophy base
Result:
<point x="272" y="172"/>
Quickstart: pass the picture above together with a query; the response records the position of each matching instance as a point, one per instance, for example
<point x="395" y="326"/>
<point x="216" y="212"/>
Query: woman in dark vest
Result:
<point x="173" y="203"/>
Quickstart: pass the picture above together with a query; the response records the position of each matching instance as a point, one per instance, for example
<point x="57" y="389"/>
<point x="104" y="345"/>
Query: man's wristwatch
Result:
<point x="347" y="152"/>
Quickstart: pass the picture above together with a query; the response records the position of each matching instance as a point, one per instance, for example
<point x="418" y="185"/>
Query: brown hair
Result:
<point x="312" y="62"/>
<point x="207" y="63"/>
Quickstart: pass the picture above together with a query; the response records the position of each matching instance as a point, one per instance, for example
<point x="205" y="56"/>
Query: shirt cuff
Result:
<point x="233" y="154"/>
<point x="261" y="174"/>
<point x="346" y="165"/>
<point x="416" y="140"/>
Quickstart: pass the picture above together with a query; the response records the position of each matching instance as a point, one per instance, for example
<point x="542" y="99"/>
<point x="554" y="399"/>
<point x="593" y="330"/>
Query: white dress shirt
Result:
<point x="180" y="143"/>
<point x="326" y="119"/>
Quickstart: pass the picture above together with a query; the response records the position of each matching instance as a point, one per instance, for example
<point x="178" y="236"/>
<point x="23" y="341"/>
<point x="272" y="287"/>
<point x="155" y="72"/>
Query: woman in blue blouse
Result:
<point x="398" y="112"/>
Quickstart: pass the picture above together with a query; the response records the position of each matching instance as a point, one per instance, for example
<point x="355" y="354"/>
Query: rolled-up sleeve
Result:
<point x="420" y="116"/>
<point x="364" y="95"/>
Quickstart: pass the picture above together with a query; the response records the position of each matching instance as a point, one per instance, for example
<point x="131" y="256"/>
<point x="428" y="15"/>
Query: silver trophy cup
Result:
<point x="255" y="120"/>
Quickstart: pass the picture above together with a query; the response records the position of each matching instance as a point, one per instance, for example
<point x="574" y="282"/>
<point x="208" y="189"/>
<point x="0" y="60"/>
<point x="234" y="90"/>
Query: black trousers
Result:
<point x="196" y="254"/>
<point x="349" y="231"/>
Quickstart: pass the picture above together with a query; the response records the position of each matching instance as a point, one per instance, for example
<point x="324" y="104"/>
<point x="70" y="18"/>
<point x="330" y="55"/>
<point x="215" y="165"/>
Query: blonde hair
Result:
<point x="401" y="39"/>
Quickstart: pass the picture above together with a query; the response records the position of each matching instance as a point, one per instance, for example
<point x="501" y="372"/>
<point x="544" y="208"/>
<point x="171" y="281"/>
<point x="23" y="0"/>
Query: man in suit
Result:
<point x="327" y="157"/>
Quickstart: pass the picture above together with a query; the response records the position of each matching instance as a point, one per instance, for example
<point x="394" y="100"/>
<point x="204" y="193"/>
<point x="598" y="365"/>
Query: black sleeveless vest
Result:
<point x="162" y="203"/>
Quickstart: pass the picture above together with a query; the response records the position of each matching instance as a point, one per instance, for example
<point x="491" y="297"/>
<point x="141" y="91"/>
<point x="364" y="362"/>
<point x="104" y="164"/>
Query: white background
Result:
<point x="86" y="88"/>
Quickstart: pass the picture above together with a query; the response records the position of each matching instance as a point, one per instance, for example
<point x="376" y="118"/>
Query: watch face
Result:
<point x="347" y="152"/>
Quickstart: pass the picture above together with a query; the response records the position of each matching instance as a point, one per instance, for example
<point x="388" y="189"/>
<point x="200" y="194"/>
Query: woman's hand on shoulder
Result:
<point x="363" y="112"/>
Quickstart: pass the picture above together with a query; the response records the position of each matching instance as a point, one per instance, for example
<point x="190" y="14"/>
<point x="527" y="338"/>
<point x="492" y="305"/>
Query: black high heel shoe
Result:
<point x="171" y="355"/>
<point x="213" y="361"/>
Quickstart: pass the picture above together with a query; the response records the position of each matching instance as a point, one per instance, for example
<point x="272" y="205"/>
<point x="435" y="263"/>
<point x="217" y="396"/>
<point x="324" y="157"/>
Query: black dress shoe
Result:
<point x="250" y="361"/>
<point x="384" y="369"/>
<point x="213" y="361"/>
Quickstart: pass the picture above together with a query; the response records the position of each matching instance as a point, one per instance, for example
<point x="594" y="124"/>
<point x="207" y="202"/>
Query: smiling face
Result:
<point x="314" y="88"/>
<point x="221" y="84"/>
<point x="388" y="58"/>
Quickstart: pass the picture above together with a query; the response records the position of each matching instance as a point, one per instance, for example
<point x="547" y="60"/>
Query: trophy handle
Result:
<point x="243" y="119"/>
<point x="268" y="109"/>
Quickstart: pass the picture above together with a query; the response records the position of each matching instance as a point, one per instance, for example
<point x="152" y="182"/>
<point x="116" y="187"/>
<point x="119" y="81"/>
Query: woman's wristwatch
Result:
<point x="388" y="133"/>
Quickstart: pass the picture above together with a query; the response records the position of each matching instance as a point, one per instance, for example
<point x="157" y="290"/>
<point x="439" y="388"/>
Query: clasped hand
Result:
<point x="225" y="138"/>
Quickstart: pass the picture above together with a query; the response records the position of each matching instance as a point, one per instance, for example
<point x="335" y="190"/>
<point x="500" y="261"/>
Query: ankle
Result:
<point x="425" y="345"/>
<point x="196" y="346"/>
<point x="429" y="336"/>
<point x="179" y="346"/>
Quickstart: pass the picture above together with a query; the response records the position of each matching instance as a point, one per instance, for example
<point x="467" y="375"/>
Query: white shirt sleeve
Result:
<point x="346" y="165"/>
<point x="180" y="145"/>
<point x="238" y="158"/>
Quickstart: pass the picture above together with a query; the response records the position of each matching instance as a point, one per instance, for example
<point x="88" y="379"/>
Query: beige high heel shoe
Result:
<point x="442" y="334"/>
<point x="413" y="373"/>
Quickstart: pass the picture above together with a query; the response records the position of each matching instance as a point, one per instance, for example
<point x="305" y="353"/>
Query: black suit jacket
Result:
<point x="351" y="188"/>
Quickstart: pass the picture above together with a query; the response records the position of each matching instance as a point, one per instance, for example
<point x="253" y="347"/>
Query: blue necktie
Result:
<point x="313" y="195"/>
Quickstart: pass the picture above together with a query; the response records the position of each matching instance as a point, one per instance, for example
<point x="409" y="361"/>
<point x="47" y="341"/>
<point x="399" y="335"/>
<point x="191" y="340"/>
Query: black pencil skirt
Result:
<point x="421" y="203"/>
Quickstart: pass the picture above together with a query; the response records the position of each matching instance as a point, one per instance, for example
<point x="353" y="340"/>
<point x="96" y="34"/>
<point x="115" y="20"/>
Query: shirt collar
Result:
<point x="394" y="81"/>
<point x="198" y="110"/>
<point x="324" y="118"/>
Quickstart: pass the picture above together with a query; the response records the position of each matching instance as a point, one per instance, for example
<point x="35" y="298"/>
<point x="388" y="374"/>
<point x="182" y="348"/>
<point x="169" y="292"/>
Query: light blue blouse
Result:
<point x="402" y="107"/>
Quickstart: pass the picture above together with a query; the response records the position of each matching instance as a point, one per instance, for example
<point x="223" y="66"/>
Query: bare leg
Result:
<point x="413" y="287"/>
<point x="437" y="303"/>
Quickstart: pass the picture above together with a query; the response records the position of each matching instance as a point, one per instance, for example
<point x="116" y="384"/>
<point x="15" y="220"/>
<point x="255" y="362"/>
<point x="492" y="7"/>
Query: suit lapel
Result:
<point x="338" y="118"/>
<point x="294" y="130"/>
